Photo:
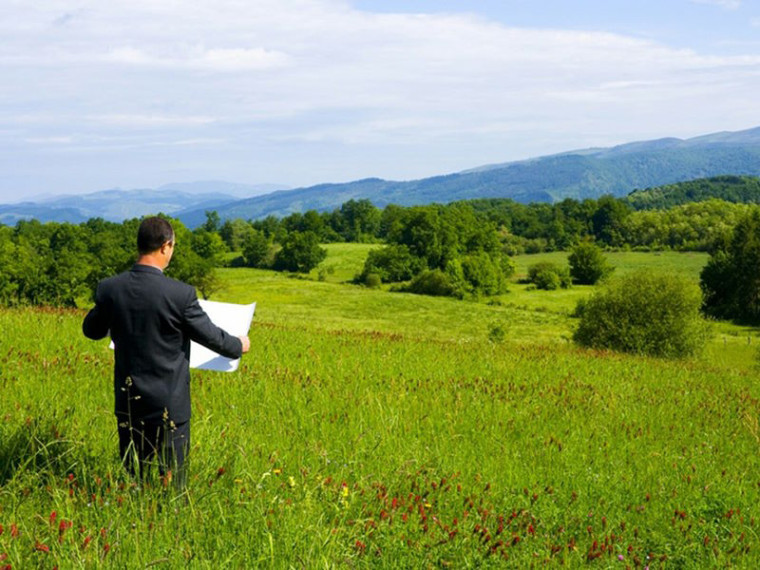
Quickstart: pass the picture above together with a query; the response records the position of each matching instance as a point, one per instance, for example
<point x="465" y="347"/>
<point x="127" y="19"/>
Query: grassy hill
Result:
<point x="377" y="429"/>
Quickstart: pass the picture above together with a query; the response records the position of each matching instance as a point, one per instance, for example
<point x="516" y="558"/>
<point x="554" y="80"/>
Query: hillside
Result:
<point x="588" y="173"/>
<point x="735" y="189"/>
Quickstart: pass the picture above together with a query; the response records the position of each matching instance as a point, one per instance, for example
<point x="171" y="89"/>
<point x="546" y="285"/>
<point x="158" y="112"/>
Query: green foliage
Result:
<point x="60" y="264"/>
<point x="256" y="249"/>
<point x="300" y="253"/>
<point x="392" y="263"/>
<point x="644" y="313"/>
<point x="588" y="264"/>
<point x="735" y="189"/>
<point x="549" y="276"/>
<point x="433" y="282"/>
<point x="485" y="274"/>
<point x="731" y="279"/>
<point x="372" y="280"/>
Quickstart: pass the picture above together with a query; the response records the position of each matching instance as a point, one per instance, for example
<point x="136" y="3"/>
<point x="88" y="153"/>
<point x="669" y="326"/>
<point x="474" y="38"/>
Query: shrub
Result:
<point x="549" y="276"/>
<point x="372" y="280"/>
<point x="484" y="274"/>
<point x="644" y="313"/>
<point x="587" y="264"/>
<point x="392" y="263"/>
<point x="433" y="282"/>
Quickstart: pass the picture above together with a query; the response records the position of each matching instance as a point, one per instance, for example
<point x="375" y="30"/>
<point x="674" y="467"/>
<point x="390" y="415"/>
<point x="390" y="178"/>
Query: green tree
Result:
<point x="300" y="252"/>
<point x="588" y="264"/>
<point x="731" y="278"/>
<point x="608" y="219"/>
<point x="256" y="249"/>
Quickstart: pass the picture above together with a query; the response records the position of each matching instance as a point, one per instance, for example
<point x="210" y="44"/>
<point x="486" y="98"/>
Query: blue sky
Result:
<point x="142" y="93"/>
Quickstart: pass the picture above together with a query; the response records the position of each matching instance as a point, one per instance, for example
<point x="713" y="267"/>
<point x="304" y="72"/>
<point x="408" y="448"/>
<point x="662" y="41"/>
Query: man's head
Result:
<point x="155" y="241"/>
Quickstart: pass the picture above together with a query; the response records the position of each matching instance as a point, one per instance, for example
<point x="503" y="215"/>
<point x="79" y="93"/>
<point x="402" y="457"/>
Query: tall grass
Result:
<point x="371" y="429"/>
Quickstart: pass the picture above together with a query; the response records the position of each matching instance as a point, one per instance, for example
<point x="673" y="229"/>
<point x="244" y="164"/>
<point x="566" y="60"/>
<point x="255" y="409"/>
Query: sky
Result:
<point x="142" y="93"/>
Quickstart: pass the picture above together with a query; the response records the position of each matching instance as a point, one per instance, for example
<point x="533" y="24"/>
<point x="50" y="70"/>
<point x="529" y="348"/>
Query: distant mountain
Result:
<point x="587" y="173"/>
<point x="117" y="204"/>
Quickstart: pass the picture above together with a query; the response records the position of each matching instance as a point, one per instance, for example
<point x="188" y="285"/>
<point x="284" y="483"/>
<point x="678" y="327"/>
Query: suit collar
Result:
<point x="146" y="269"/>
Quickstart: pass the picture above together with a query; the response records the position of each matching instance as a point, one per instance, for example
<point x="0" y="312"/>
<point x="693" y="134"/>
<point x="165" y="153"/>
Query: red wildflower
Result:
<point x="86" y="541"/>
<point x="42" y="547"/>
<point x="106" y="548"/>
<point x="360" y="546"/>
<point x="14" y="530"/>
<point x="53" y="516"/>
<point x="1" y="532"/>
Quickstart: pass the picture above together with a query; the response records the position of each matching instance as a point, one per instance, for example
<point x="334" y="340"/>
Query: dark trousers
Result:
<point x="144" y="445"/>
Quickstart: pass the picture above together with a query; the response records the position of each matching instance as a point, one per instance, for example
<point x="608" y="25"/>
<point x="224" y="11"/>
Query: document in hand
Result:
<point x="234" y="319"/>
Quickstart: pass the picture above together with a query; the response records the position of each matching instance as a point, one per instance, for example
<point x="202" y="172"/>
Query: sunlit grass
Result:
<point x="377" y="429"/>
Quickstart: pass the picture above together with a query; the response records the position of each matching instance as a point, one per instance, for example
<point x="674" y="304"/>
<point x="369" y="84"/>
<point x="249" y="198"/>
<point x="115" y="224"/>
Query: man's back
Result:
<point x="152" y="320"/>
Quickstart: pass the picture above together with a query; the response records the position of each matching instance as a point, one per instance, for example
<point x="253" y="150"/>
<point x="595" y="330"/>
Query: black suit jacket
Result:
<point x="152" y="320"/>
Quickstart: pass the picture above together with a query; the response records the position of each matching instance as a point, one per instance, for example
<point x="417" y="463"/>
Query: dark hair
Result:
<point x="153" y="233"/>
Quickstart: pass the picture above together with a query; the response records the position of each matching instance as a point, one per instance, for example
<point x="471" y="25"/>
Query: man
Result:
<point x="151" y="320"/>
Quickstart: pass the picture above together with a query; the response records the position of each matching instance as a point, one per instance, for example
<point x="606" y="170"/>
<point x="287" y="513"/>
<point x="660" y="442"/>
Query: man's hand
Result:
<point x="246" y="343"/>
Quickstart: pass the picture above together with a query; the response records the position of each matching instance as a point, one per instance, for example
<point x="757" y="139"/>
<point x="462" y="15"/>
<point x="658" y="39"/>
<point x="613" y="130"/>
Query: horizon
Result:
<point x="305" y="92"/>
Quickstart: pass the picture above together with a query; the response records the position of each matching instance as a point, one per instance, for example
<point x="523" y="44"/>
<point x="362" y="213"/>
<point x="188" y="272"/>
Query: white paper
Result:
<point x="232" y="318"/>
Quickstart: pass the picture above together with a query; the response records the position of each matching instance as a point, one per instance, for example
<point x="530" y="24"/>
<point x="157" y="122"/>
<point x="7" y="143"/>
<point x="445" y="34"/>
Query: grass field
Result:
<point x="377" y="429"/>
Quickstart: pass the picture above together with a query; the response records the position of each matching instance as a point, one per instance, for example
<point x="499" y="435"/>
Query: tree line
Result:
<point x="458" y="249"/>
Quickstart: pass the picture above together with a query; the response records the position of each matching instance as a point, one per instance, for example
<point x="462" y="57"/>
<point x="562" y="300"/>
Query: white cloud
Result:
<point x="253" y="74"/>
<point x="728" y="4"/>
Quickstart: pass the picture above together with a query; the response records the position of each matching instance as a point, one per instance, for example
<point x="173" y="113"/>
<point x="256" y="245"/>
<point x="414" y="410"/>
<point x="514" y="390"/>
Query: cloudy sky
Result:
<point x="140" y="93"/>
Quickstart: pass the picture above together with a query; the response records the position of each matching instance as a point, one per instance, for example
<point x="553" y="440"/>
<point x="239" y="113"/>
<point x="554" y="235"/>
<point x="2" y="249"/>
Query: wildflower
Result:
<point x="14" y="530"/>
<point x="621" y="557"/>
<point x="41" y="547"/>
<point x="291" y="481"/>
<point x="53" y="516"/>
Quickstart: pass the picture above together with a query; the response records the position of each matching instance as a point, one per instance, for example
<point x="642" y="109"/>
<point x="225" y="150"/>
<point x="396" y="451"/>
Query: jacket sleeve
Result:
<point x="95" y="324"/>
<point x="203" y="331"/>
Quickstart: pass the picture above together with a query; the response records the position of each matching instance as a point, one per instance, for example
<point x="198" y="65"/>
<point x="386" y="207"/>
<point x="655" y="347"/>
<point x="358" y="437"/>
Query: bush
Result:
<point x="433" y="282"/>
<point x="372" y="280"/>
<point x="549" y="276"/>
<point x="587" y="264"/>
<point x="484" y="274"/>
<point x="644" y="313"/>
<point x="392" y="263"/>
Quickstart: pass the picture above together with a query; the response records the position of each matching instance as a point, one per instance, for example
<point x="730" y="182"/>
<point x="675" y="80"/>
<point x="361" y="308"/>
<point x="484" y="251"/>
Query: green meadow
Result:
<point x="368" y="428"/>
